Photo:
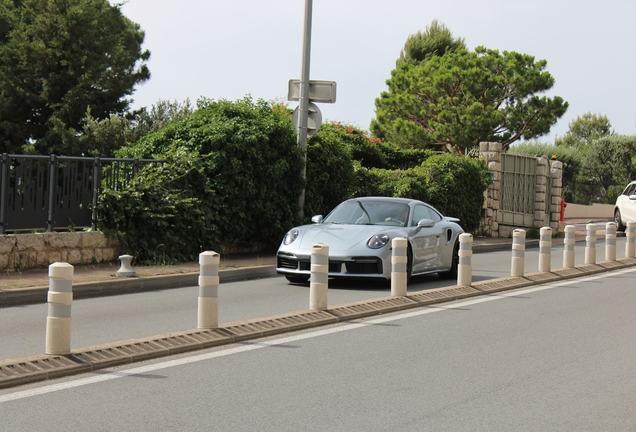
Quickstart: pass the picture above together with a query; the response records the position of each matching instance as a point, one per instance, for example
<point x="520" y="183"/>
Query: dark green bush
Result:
<point x="244" y="157"/>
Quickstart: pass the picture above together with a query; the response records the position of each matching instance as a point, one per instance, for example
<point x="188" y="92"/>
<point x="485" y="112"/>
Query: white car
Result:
<point x="359" y="233"/>
<point x="625" y="208"/>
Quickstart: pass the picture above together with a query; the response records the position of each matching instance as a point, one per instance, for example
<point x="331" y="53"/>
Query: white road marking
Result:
<point x="107" y="376"/>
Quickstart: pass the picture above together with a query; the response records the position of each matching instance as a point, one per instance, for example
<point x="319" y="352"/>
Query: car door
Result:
<point x="427" y="241"/>
<point x="628" y="206"/>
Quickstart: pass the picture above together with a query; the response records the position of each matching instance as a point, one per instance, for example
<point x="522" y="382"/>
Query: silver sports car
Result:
<point x="359" y="232"/>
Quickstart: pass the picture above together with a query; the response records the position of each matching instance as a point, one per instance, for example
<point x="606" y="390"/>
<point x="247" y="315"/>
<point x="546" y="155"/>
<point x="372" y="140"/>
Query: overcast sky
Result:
<point x="226" y="49"/>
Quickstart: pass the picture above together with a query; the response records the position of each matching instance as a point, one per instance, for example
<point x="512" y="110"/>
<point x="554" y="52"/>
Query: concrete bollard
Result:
<point x="545" y="249"/>
<point x="465" y="267"/>
<point x="399" y="262"/>
<point x="590" y="244"/>
<point x="60" y="297"/>
<point x="518" y="253"/>
<point x="568" y="247"/>
<point x="630" y="233"/>
<point x="208" y="306"/>
<point x="125" y="270"/>
<point x="319" y="279"/>
<point x="610" y="241"/>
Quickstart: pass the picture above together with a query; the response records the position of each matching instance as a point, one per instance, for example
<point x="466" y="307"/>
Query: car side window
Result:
<point x="420" y="212"/>
<point x="630" y="190"/>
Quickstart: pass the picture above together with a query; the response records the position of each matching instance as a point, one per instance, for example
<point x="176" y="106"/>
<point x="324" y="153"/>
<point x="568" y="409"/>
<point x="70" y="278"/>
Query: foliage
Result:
<point x="583" y="130"/>
<point x="436" y="40"/>
<point x="57" y="59"/>
<point x="454" y="185"/>
<point x="462" y="98"/>
<point x="103" y="137"/>
<point x="249" y="174"/>
<point x="610" y="160"/>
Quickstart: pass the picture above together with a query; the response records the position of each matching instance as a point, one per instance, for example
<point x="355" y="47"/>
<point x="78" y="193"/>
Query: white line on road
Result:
<point x="250" y="346"/>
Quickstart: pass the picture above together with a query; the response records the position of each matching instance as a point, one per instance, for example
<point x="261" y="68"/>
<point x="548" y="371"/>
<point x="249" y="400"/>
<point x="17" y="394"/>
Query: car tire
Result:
<point x="618" y="221"/>
<point x="452" y="272"/>
<point x="297" y="278"/>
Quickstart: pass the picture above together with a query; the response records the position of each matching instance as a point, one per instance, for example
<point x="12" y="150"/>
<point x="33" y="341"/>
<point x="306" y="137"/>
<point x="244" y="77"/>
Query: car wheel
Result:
<point x="452" y="272"/>
<point x="619" y="222"/>
<point x="297" y="278"/>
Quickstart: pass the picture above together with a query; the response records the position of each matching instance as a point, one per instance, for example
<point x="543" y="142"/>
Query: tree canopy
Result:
<point x="461" y="98"/>
<point x="58" y="58"/>
<point x="584" y="129"/>
<point x="435" y="40"/>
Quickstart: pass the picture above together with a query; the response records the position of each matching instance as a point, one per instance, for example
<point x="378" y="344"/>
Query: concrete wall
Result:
<point x="22" y="251"/>
<point x="594" y="211"/>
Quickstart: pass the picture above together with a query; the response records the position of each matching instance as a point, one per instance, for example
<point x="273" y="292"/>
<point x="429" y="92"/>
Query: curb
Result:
<point x="35" y="295"/>
<point x="24" y="370"/>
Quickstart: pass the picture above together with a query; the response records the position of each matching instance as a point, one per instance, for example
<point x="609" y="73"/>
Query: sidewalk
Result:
<point x="90" y="280"/>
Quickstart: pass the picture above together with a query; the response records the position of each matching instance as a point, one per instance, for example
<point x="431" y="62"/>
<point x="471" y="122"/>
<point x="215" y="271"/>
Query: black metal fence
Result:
<point x="53" y="192"/>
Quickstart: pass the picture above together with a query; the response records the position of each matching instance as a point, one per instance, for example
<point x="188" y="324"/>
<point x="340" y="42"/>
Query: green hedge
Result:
<point x="232" y="179"/>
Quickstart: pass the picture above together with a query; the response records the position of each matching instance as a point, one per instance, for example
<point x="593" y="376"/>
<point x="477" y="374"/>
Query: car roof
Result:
<point x="387" y="199"/>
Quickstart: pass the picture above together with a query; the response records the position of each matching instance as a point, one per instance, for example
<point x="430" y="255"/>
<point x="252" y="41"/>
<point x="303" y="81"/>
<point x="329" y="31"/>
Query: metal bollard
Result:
<point x="60" y="297"/>
<point x="630" y="233"/>
<point x="208" y="306"/>
<point x="590" y="244"/>
<point x="319" y="278"/>
<point x="465" y="267"/>
<point x="399" y="262"/>
<point x="545" y="249"/>
<point x="610" y="241"/>
<point x="568" y="243"/>
<point x="518" y="253"/>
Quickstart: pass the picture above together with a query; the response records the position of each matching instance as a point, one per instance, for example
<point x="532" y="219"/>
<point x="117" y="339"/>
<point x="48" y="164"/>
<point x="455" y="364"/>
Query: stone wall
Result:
<point x="22" y="251"/>
<point x="545" y="213"/>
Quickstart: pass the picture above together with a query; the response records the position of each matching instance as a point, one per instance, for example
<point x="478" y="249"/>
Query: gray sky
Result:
<point x="226" y="49"/>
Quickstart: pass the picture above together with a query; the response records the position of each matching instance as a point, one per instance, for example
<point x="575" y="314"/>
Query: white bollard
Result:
<point x="568" y="247"/>
<point x="630" y="233"/>
<point x="518" y="253"/>
<point x="465" y="267"/>
<point x="60" y="297"/>
<point x="208" y="306"/>
<point x="545" y="249"/>
<point x="319" y="279"/>
<point x="399" y="262"/>
<point x="610" y="241"/>
<point x="126" y="270"/>
<point x="590" y="244"/>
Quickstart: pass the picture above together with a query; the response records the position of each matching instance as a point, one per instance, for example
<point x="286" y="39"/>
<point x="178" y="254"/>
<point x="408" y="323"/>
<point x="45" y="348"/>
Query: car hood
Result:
<point x="339" y="237"/>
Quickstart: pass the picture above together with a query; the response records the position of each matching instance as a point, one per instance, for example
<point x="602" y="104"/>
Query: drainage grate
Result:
<point x="502" y="284"/>
<point x="568" y="273"/>
<point x="542" y="277"/>
<point x="612" y="264"/>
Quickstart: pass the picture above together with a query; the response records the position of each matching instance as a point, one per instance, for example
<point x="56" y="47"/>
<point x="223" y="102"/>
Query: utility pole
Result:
<point x="304" y="100"/>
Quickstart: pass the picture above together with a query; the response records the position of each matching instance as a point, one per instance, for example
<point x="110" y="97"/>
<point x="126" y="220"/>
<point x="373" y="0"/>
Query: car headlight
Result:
<point x="378" y="241"/>
<point x="291" y="235"/>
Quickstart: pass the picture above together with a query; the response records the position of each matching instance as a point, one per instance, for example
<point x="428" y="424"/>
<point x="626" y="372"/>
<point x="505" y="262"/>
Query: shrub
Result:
<point x="247" y="164"/>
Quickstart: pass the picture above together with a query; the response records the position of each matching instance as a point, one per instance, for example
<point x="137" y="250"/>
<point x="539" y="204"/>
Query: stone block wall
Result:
<point x="23" y="251"/>
<point x="545" y="213"/>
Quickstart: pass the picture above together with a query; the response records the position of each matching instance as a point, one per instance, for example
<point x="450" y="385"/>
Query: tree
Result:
<point x="462" y="98"/>
<point x="435" y="40"/>
<point x="584" y="129"/>
<point x="610" y="160"/>
<point x="57" y="59"/>
<point x="103" y="137"/>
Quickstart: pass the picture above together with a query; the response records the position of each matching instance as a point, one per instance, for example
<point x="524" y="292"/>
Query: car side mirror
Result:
<point x="316" y="219"/>
<point x="425" y="223"/>
<point x="632" y="197"/>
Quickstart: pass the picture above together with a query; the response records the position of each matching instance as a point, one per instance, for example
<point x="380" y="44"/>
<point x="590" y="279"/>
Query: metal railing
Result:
<point x="53" y="192"/>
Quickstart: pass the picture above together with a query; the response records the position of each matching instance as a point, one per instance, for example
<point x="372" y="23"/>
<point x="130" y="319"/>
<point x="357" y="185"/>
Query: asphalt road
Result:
<point x="110" y="319"/>
<point x="546" y="358"/>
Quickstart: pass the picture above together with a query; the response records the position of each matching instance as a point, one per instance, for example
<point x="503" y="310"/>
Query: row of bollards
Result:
<point x="60" y="294"/>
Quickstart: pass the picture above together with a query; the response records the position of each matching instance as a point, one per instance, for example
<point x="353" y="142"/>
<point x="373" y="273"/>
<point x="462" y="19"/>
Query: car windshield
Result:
<point x="369" y="213"/>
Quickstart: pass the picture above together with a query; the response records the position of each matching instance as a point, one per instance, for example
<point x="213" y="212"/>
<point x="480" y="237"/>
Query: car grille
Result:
<point x="358" y="265"/>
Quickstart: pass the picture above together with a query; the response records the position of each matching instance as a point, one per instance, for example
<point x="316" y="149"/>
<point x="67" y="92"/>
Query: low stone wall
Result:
<point x="22" y="251"/>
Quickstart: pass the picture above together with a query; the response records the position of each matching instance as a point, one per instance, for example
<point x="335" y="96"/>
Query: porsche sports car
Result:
<point x="359" y="232"/>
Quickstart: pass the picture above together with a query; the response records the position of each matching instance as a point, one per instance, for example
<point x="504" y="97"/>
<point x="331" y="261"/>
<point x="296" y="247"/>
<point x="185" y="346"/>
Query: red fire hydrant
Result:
<point x="563" y="206"/>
